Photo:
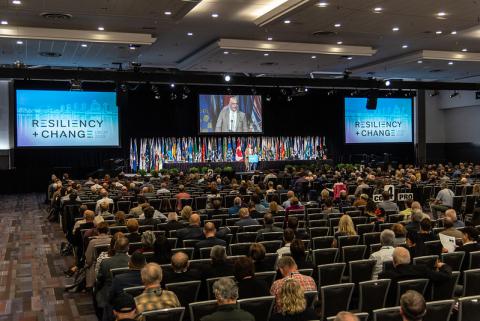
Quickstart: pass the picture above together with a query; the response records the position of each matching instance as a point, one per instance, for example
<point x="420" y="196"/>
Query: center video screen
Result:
<point x="390" y="121"/>
<point x="228" y="114"/>
<point x="59" y="118"/>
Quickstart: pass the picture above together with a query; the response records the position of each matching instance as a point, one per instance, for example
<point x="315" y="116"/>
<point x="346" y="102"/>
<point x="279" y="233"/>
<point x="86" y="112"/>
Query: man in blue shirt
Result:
<point x="237" y="204"/>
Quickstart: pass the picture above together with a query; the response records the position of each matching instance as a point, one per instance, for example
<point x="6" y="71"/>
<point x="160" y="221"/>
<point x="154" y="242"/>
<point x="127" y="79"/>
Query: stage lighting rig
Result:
<point x="156" y="92"/>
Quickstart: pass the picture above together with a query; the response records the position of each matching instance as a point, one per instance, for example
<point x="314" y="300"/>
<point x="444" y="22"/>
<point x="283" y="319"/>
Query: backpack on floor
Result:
<point x="79" y="281"/>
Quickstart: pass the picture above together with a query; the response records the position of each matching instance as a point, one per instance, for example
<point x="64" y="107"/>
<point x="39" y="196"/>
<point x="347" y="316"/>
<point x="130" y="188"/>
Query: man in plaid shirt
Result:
<point x="154" y="297"/>
<point x="289" y="269"/>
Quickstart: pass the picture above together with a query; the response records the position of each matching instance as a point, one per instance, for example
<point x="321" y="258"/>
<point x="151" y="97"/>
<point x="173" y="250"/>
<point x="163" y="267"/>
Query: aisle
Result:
<point x="31" y="268"/>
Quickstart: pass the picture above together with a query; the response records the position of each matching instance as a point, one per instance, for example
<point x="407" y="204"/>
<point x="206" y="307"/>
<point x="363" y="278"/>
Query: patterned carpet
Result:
<point x="31" y="267"/>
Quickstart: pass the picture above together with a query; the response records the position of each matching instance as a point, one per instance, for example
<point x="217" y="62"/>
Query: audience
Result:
<point x="268" y="226"/>
<point x="288" y="236"/>
<point x="450" y="230"/>
<point x="181" y="271"/>
<point x="297" y="252"/>
<point x="257" y="253"/>
<point x="132" y="226"/>
<point x="469" y="245"/>
<point x="219" y="265"/>
<point x="124" y="307"/>
<point x="248" y="285"/>
<point x="245" y="219"/>
<point x="237" y="204"/>
<point x="148" y="242"/>
<point x="103" y="238"/>
<point x="292" y="303"/>
<point x="387" y="239"/>
<point x="210" y="240"/>
<point x="412" y="306"/>
<point x="400" y="234"/>
<point x="192" y="231"/>
<point x="130" y="278"/>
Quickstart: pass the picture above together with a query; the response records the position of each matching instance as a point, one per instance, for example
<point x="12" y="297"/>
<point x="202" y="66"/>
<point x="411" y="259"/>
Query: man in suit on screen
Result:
<point x="231" y="119"/>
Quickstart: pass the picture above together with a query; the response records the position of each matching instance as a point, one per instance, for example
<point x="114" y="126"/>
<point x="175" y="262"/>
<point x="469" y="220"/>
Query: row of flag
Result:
<point x="150" y="153"/>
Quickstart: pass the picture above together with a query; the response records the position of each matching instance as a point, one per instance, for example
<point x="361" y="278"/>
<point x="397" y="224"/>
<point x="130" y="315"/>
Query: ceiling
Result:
<point x="308" y="44"/>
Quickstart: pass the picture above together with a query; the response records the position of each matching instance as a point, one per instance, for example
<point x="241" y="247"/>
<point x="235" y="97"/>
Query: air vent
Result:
<point x="50" y="54"/>
<point x="56" y="15"/>
<point x="321" y="33"/>
<point x="436" y="70"/>
<point x="269" y="64"/>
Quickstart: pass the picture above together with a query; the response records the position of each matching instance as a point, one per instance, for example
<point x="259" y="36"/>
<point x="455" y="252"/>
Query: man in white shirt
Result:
<point x="231" y="119"/>
<point x="443" y="201"/>
<point x="387" y="239"/>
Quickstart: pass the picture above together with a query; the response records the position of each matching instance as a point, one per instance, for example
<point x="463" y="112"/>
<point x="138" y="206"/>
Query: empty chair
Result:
<point x="318" y="223"/>
<point x="361" y="270"/>
<point x="353" y="252"/>
<point x="427" y="260"/>
<point x="474" y="262"/>
<point x="454" y="260"/>
<point x="335" y="298"/>
<point x="365" y="228"/>
<point x="446" y="289"/>
<point x="134" y="290"/>
<point x="271" y="246"/>
<point x="171" y="314"/>
<point x="348" y="240"/>
<point x="373" y="294"/>
<point x="469" y="308"/>
<point x="243" y="237"/>
<point x="439" y="310"/>
<point x="172" y="241"/>
<point x="471" y="282"/>
<point x="187" y="292"/>
<point x="200" y="309"/>
<point x="324" y="256"/>
<point x="387" y="314"/>
<point x="260" y="307"/>
<point x="205" y="252"/>
<point x="419" y="285"/>
<point x="310" y="297"/>
<point x="330" y="273"/>
<point x="318" y="231"/>
<point x="268" y="277"/>
<point x="322" y="242"/>
<point x="239" y="248"/>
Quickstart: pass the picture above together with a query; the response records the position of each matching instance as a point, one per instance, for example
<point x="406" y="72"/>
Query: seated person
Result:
<point x="148" y="242"/>
<point x="132" y="226"/>
<point x="400" y="234"/>
<point x="412" y="306"/>
<point x="387" y="204"/>
<point x="219" y="266"/>
<point x="172" y="223"/>
<point x="292" y="223"/>
<point x="248" y="285"/>
<point x="120" y="219"/>
<point x="416" y="241"/>
<point x="124" y="307"/>
<point x="237" y="204"/>
<point x="103" y="238"/>
<point x="294" y="305"/>
<point x="192" y="231"/>
<point x="245" y="218"/>
<point x="267" y="226"/>
<point x="128" y="279"/>
<point x="470" y="244"/>
<point x="297" y="252"/>
<point x="151" y="216"/>
<point x="288" y="236"/>
<point x="450" y="230"/>
<point x="257" y="254"/>
<point x="210" y="240"/>
<point x="181" y="271"/>
<point x="387" y="239"/>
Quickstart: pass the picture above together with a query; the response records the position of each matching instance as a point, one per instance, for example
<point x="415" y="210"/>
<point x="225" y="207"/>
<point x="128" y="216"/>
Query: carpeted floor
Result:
<point x="31" y="267"/>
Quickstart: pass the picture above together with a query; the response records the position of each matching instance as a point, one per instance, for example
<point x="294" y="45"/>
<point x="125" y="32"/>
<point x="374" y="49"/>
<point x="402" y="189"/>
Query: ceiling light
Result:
<point x="387" y="83"/>
<point x="349" y="57"/>
<point x="378" y="9"/>
<point x="337" y="25"/>
<point x="84" y="45"/>
<point x="419" y="62"/>
<point x="167" y="13"/>
<point x="438" y="32"/>
<point x="189" y="33"/>
<point x="395" y="29"/>
<point x="450" y="63"/>
<point x="270" y="38"/>
<point x="17" y="2"/>
<point x="225" y="52"/>
<point x="227" y="78"/>
<point x="404" y="46"/>
<point x="214" y="15"/>
<point x="441" y="14"/>
<point x="322" y="4"/>
<point x="314" y="57"/>
<point x="132" y="47"/>
<point x="266" y="54"/>
<point x="101" y="28"/>
<point x="4" y="22"/>
<point x="19" y="42"/>
<point x="172" y="85"/>
<point x="287" y="21"/>
<point x="339" y="42"/>
<point x="464" y="49"/>
<point x="453" y="32"/>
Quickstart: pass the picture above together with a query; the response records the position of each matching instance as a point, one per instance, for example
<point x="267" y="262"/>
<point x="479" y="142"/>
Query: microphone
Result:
<point x="231" y="125"/>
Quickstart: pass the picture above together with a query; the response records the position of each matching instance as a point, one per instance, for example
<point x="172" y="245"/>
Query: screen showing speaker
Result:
<point x="53" y="118"/>
<point x="386" y="120"/>
<point x="230" y="114"/>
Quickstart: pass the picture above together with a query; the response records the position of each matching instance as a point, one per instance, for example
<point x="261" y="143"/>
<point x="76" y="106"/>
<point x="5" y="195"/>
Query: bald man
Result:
<point x="209" y="231"/>
<point x="346" y="316"/>
<point x="192" y="231"/>
<point x="403" y="270"/>
<point x="180" y="271"/>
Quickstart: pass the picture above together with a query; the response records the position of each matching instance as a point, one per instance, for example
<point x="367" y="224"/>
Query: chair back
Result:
<point x="243" y="237"/>
<point x="324" y="256"/>
<point x="251" y="228"/>
<point x="433" y="247"/>
<point x="118" y="271"/>
<point x="335" y="298"/>
<point x="190" y="243"/>
<point x="439" y="310"/>
<point x="361" y="270"/>
<point x="239" y="248"/>
<point x="271" y="246"/>
<point x="471" y="282"/>
<point x="446" y="289"/>
<point x="353" y="253"/>
<point x="171" y="314"/>
<point x="469" y="308"/>
<point x="318" y="231"/>
<point x="310" y="297"/>
<point x="134" y="290"/>
<point x="200" y="309"/>
<point x="454" y="260"/>
<point x="272" y="236"/>
<point x="419" y="285"/>
<point x="186" y="292"/>
<point x="428" y="260"/>
<point x="329" y="274"/>
<point x="204" y="252"/>
<point x="365" y="228"/>
<point x="387" y="314"/>
<point x="373" y="294"/>
<point x="268" y="277"/>
<point x="307" y="272"/>
<point x="260" y="307"/>
<point x="322" y="242"/>
<point x="474" y="262"/>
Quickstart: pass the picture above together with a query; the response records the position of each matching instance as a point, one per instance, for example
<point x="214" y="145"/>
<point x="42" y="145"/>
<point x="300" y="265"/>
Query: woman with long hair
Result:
<point x="345" y="228"/>
<point x="293" y="303"/>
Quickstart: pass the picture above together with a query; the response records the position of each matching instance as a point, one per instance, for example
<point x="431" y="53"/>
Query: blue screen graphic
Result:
<point x="50" y="118"/>
<point x="390" y="122"/>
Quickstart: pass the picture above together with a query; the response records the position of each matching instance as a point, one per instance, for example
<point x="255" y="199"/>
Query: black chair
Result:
<point x="329" y="274"/>
<point x="388" y="266"/>
<point x="239" y="248"/>
<point x="114" y="229"/>
<point x="324" y="256"/>
<point x="200" y="309"/>
<point x="172" y="314"/>
<point x="243" y="237"/>
<point x="439" y="310"/>
<point x="387" y="314"/>
<point x="335" y="298"/>
<point x="474" y="262"/>
<point x="419" y="285"/>
<point x="172" y="241"/>
<point x="124" y="206"/>
<point x="271" y="236"/>
<point x="454" y="260"/>
<point x="365" y="228"/>
<point x="471" y="282"/>
<point x="385" y="226"/>
<point x="318" y="231"/>
<point x="375" y="247"/>
<point x="310" y="297"/>
<point x="469" y="308"/>
<point x="445" y="290"/>
<point x="322" y="242"/>
<point x="187" y="250"/>
<point x="270" y="260"/>
<point x="433" y="247"/>
<point x="190" y="243"/>
<point x="134" y="246"/>
<point x="271" y="246"/>
<point x="251" y="228"/>
<point x="134" y="290"/>
<point x="427" y="260"/>
<point x="361" y="270"/>
<point x="260" y="307"/>
<point x="353" y="253"/>
<point x="268" y="277"/>
<point x="101" y="248"/>
<point x="187" y="292"/>
<point x="210" y="282"/>
<point x="143" y="228"/>
<point x="318" y="223"/>
<point x="373" y="294"/>
<point x="307" y="272"/>
<point x="348" y="240"/>
<point x="200" y="265"/>
<point x="118" y="271"/>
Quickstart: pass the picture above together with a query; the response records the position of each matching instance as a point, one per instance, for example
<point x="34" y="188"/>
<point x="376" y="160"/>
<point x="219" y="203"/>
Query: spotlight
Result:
<point x="268" y="98"/>
<point x="172" y="85"/>
<point x="454" y="94"/>
<point x="227" y="78"/>
<point x="434" y="93"/>
<point x="173" y="96"/>
<point x="387" y="83"/>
